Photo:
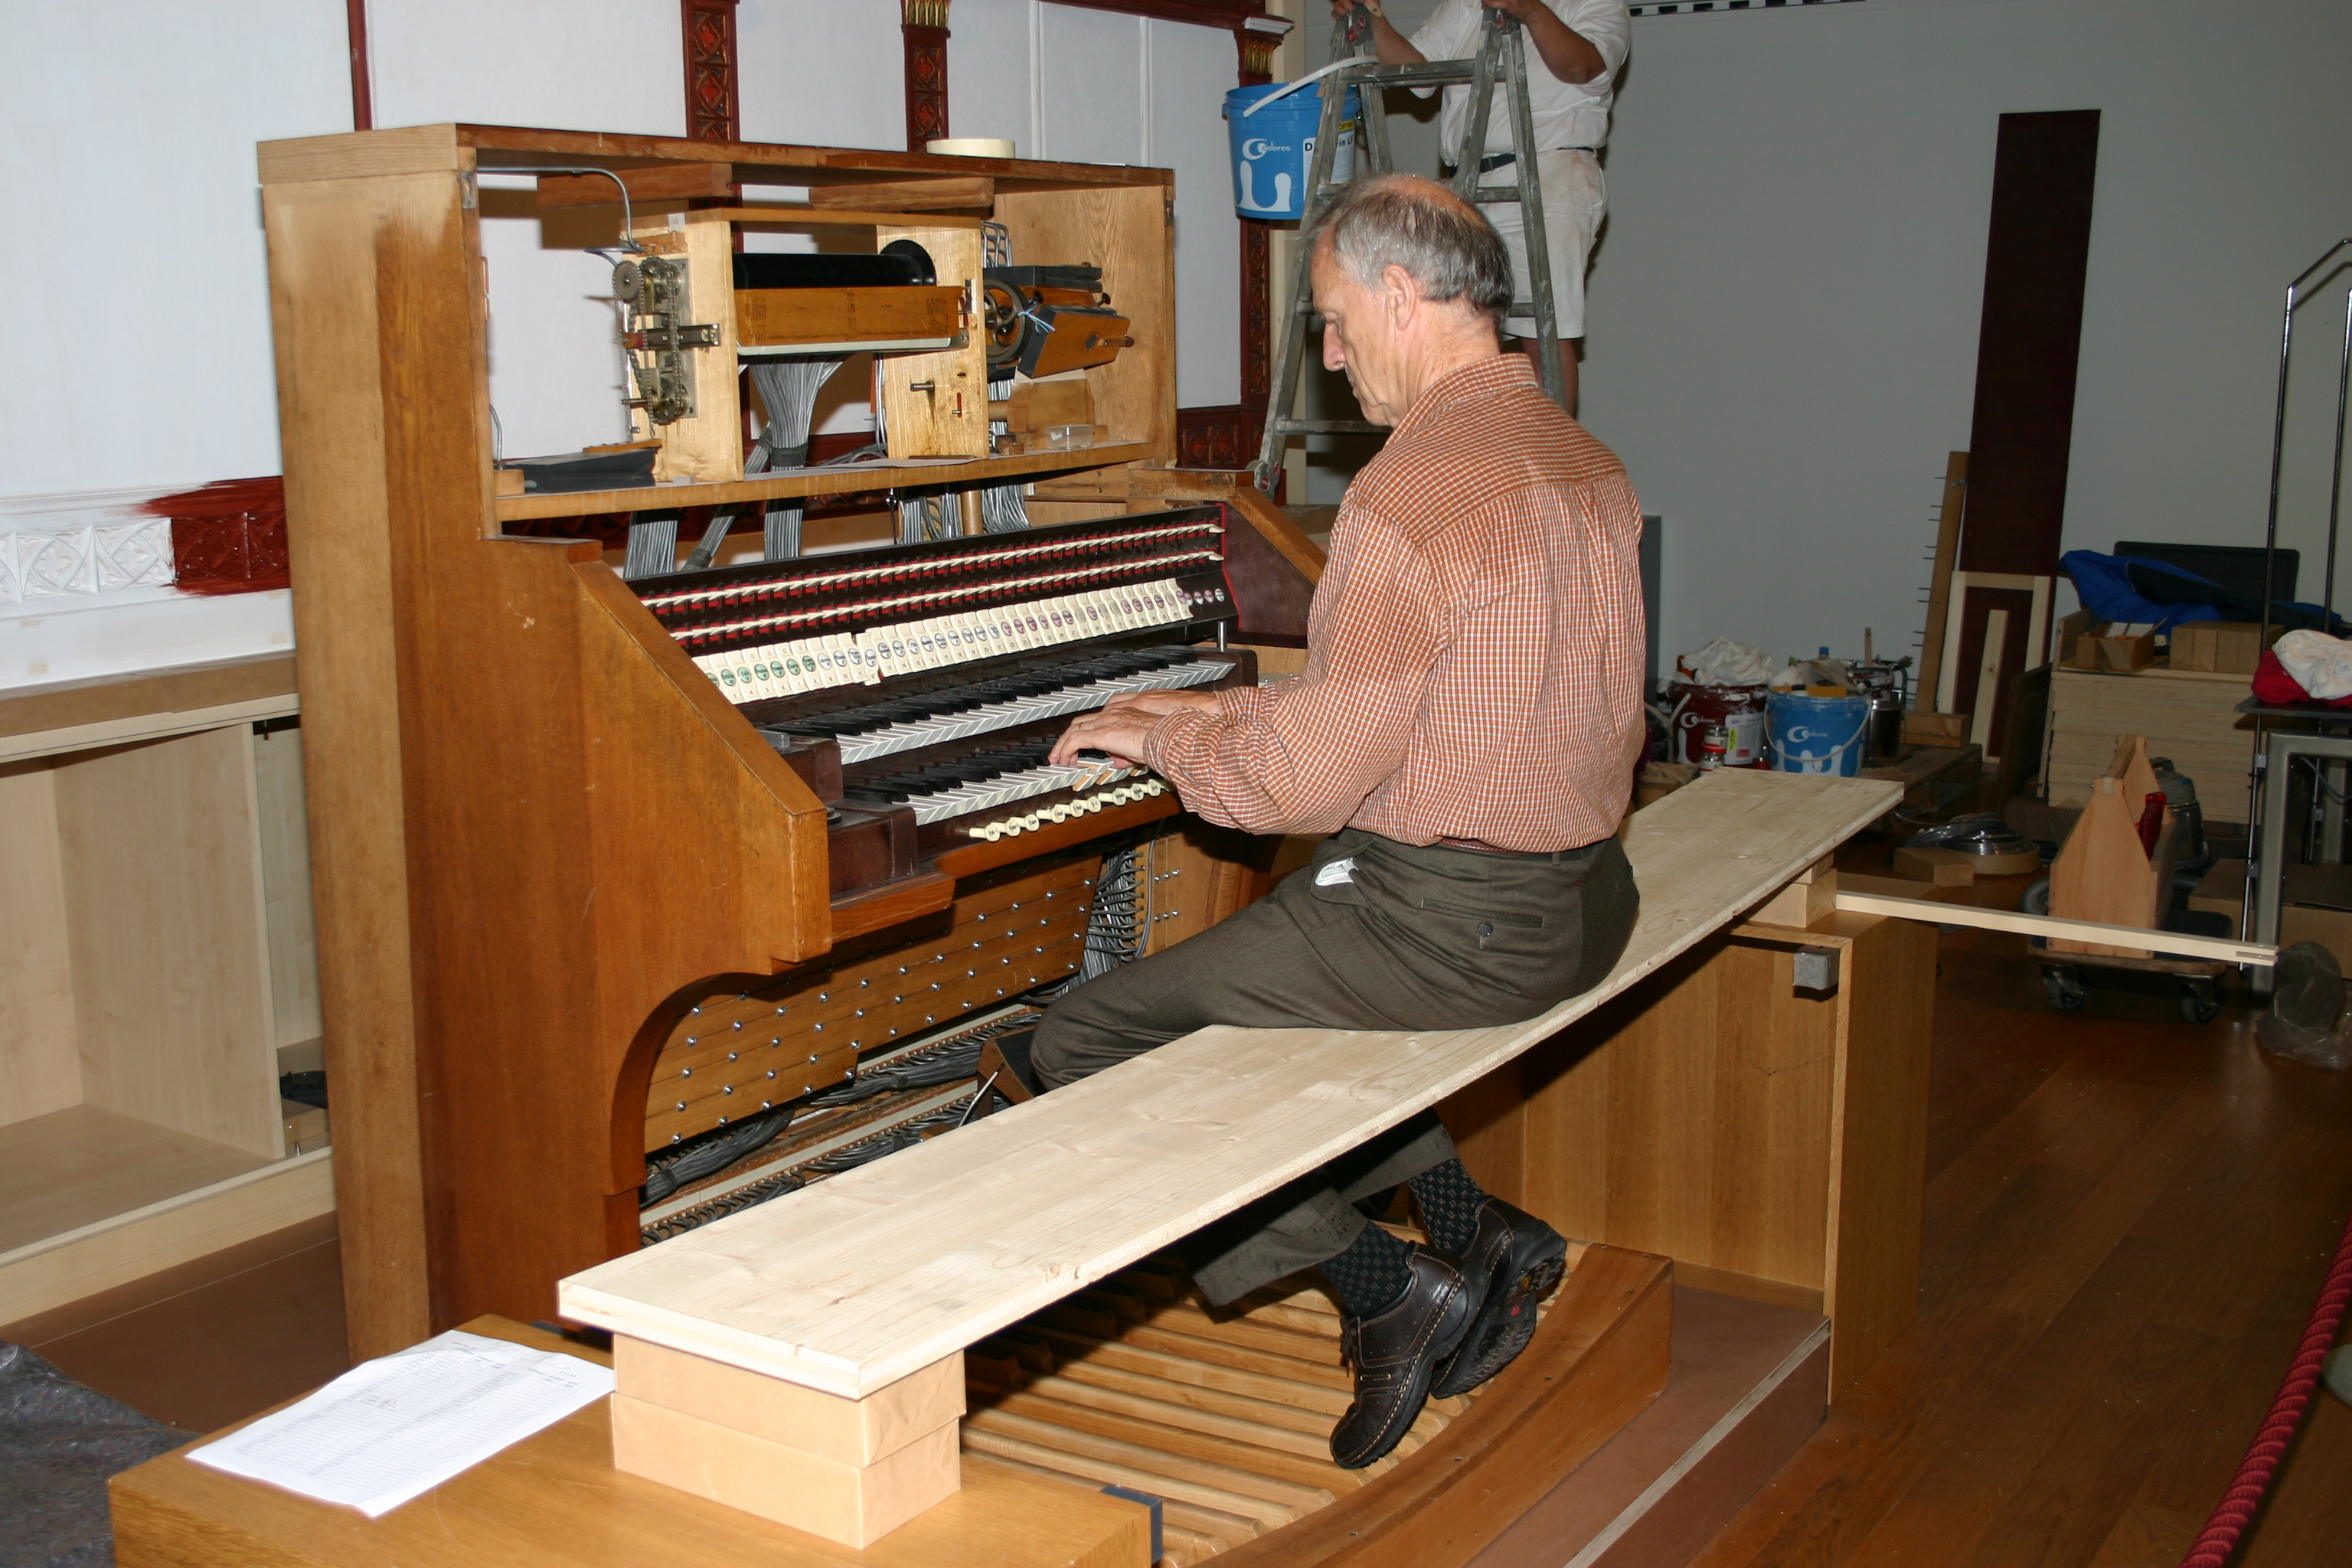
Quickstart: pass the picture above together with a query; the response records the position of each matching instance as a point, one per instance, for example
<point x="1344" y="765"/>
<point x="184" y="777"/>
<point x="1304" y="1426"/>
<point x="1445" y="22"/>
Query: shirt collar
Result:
<point x="1473" y="383"/>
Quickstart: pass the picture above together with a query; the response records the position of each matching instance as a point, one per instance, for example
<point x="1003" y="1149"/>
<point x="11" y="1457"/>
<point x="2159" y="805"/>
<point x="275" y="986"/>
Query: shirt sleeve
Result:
<point x="1301" y="756"/>
<point x="1450" y="33"/>
<point x="1608" y="27"/>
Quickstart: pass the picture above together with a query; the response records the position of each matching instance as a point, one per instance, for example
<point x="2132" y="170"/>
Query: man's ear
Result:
<point x="1399" y="294"/>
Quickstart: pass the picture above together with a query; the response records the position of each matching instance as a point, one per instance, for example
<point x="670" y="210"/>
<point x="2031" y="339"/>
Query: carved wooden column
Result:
<point x="924" y="24"/>
<point x="713" y="111"/>
<point x="1257" y="50"/>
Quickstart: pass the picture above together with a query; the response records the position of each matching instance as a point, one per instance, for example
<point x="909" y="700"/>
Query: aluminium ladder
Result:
<point x="1501" y="57"/>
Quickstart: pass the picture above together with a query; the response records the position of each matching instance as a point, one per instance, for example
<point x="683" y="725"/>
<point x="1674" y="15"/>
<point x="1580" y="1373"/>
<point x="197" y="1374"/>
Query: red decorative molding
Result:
<point x="713" y="109"/>
<point x="924" y="25"/>
<point x="1218" y="437"/>
<point x="228" y="537"/>
<point x="362" y="94"/>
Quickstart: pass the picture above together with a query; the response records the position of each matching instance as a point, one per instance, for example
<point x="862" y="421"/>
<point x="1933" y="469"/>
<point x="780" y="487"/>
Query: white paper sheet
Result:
<point x="392" y="1428"/>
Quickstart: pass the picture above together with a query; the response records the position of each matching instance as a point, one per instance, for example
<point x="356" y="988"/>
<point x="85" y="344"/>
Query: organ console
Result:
<point x="646" y="898"/>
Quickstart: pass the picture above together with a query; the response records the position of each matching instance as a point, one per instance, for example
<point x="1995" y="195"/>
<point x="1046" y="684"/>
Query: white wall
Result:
<point x="567" y="65"/>
<point x="139" y="319"/>
<point x="1785" y="300"/>
<point x="1064" y="83"/>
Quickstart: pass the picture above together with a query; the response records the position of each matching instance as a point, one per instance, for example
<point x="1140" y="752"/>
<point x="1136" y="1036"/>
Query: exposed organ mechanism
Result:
<point x="656" y="303"/>
<point x="1042" y="320"/>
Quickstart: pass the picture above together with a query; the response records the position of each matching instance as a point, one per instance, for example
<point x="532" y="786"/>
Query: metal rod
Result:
<point x="2278" y="426"/>
<point x="2336" y="485"/>
<point x="1532" y="227"/>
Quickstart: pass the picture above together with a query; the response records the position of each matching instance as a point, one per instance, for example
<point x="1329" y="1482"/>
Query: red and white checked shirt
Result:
<point x="1474" y="654"/>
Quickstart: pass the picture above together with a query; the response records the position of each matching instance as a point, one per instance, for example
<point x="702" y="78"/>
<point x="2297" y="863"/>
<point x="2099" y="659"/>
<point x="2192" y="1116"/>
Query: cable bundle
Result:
<point x="652" y="547"/>
<point x="1001" y="509"/>
<point x="787" y="389"/>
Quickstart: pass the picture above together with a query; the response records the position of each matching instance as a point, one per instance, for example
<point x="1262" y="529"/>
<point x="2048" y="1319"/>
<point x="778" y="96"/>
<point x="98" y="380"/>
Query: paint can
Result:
<point x="1274" y="146"/>
<point x="1819" y="734"/>
<point x="1736" y="710"/>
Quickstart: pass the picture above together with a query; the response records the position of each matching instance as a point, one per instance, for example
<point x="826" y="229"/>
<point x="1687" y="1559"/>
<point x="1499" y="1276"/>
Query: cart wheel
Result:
<point x="2066" y="988"/>
<point x="2200" y="1000"/>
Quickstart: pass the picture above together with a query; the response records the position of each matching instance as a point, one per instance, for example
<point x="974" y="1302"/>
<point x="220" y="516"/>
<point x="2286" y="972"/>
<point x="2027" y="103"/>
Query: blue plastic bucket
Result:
<point x="1273" y="148"/>
<point x="1819" y="734"/>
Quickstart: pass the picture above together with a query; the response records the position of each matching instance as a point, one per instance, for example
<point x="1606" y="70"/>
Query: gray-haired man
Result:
<point x="1464" y="729"/>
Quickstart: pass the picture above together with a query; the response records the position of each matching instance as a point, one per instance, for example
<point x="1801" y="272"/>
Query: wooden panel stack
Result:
<point x="2189" y="716"/>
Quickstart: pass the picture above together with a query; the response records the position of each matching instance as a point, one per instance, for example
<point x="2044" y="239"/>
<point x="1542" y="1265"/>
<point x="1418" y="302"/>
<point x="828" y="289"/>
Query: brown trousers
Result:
<point x="1371" y="934"/>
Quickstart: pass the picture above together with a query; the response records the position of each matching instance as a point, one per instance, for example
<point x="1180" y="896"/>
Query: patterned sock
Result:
<point x="1449" y="1202"/>
<point x="1371" y="1273"/>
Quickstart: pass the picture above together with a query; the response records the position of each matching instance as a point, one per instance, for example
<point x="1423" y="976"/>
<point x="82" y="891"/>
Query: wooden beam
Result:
<point x="1940" y="582"/>
<point x="2172" y="944"/>
<point x="908" y="195"/>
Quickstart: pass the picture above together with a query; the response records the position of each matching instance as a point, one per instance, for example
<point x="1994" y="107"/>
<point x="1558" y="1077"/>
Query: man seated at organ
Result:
<point x="1465" y="729"/>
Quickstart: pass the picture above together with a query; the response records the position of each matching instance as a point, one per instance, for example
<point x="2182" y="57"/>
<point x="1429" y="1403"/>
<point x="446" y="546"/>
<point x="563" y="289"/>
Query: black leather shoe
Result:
<point x="1520" y="1259"/>
<point x="1396" y="1353"/>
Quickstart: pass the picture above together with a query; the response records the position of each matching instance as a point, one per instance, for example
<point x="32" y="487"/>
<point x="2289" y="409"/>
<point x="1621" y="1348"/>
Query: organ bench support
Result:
<point x="1694" y="1101"/>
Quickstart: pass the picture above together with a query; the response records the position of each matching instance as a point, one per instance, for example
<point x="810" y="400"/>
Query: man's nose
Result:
<point x="1334" y="357"/>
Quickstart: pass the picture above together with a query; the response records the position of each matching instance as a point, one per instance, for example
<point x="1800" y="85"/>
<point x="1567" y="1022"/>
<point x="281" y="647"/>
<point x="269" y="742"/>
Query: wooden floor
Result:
<point x="2127" y="1221"/>
<point x="2128" y="1218"/>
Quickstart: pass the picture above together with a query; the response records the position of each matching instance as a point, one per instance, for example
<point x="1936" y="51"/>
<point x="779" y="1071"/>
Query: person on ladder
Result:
<point x="1577" y="47"/>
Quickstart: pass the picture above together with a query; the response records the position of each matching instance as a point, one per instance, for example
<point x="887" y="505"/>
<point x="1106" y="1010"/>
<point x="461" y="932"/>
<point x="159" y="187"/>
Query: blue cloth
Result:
<point x="2118" y="588"/>
<point x="2103" y="584"/>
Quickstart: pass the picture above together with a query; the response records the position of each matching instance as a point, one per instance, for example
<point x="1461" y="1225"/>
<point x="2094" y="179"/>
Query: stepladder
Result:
<point x="1501" y="61"/>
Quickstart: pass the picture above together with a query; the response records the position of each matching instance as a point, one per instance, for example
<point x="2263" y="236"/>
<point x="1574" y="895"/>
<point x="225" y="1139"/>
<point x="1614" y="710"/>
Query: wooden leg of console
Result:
<point x="851" y="1471"/>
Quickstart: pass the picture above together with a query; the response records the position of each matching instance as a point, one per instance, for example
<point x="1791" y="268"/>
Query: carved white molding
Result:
<point x="82" y="547"/>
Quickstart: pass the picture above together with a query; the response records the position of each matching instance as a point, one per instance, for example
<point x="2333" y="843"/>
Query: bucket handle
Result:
<point x="1290" y="87"/>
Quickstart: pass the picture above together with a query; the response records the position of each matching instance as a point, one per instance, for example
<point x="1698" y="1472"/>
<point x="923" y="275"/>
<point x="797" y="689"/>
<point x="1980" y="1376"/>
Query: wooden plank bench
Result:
<point x="837" y="1317"/>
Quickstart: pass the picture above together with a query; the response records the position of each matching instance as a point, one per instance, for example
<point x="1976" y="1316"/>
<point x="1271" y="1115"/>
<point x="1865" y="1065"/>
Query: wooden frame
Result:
<point x="1988" y="680"/>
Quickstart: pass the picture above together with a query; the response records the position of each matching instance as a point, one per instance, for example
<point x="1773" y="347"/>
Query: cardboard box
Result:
<point x="2225" y="648"/>
<point x="2319" y="905"/>
<point x="1659" y="780"/>
<point x="1935" y="728"/>
<point x="2087" y="642"/>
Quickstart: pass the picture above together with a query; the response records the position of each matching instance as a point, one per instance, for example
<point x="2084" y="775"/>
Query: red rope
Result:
<point x="2260" y="1467"/>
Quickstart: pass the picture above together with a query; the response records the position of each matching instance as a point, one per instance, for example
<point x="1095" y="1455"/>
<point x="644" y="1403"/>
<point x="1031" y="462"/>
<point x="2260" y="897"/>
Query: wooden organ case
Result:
<point x="583" y="895"/>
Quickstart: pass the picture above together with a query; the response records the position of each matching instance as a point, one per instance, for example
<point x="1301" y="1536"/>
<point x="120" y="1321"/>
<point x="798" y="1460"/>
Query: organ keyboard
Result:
<point x="917" y="688"/>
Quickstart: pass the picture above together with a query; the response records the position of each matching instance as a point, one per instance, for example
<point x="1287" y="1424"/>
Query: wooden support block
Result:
<point x="707" y="444"/>
<point x="853" y="1504"/>
<point x="1035" y="404"/>
<point x="937" y="403"/>
<point x="656" y="182"/>
<point x="1940" y="867"/>
<point x="849" y="1431"/>
<point x="1810" y="897"/>
<point x="769" y="318"/>
<point x="908" y="195"/>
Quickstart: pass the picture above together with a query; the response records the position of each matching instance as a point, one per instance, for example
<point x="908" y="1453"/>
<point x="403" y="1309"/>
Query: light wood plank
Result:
<point x="555" y="1500"/>
<point x="859" y="1280"/>
<point x="39" y="1069"/>
<point x="164" y="911"/>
